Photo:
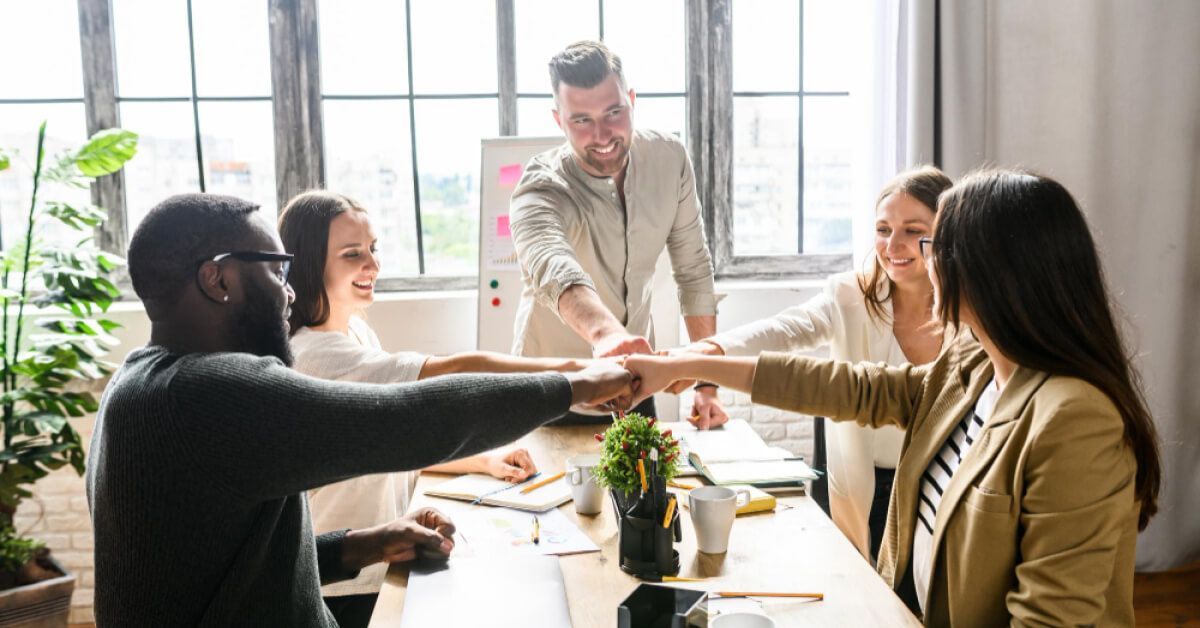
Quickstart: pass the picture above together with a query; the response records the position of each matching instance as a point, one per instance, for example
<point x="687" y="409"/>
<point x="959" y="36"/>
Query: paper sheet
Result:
<point x="497" y="530"/>
<point x="507" y="592"/>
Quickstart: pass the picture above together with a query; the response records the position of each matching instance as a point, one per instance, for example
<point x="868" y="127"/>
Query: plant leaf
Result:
<point x="106" y="152"/>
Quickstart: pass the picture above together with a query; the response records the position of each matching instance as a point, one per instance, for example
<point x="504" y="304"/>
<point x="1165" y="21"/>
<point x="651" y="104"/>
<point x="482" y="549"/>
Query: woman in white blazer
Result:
<point x="884" y="315"/>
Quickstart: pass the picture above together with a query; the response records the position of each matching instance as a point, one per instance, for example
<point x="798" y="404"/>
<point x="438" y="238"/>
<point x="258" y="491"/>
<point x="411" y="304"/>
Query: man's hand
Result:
<point x="707" y="411"/>
<point x="602" y="382"/>
<point x="424" y="532"/>
<point x="513" y="466"/>
<point x="620" y="343"/>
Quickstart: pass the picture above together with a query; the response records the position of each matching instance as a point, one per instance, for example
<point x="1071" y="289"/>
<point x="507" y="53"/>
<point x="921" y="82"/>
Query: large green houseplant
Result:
<point x="53" y="336"/>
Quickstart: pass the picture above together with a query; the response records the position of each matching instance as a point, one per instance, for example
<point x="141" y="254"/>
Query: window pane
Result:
<point x="166" y="161"/>
<point x="368" y="157"/>
<point x="827" y="197"/>
<point x="41" y="50"/>
<point x="454" y="46"/>
<point x="667" y="114"/>
<point x="828" y="57"/>
<point x="233" y="52"/>
<point x="152" y="48"/>
<point x="535" y="118"/>
<point x="65" y="129"/>
<point x="448" y="157"/>
<point x="364" y="47"/>
<point x="766" y="46"/>
<point x="649" y="38"/>
<point x="239" y="151"/>
<point x="765" y="175"/>
<point x="543" y="28"/>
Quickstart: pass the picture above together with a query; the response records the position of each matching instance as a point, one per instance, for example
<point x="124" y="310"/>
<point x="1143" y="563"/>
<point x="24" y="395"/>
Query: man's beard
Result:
<point x="261" y="328"/>
<point x="609" y="168"/>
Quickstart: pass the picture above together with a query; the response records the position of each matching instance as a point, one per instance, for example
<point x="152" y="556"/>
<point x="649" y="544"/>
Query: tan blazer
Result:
<point x="1038" y="525"/>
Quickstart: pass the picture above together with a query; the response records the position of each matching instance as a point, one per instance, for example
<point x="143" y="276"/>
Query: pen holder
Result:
<point x="646" y="548"/>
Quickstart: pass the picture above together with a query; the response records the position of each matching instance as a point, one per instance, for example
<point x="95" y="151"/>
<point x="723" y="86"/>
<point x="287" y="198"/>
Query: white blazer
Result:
<point x="838" y="318"/>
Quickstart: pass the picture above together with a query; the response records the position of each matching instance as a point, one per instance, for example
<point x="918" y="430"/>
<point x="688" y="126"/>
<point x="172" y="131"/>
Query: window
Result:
<point x="194" y="81"/>
<point x="395" y="95"/>
<point x="50" y="91"/>
<point x="791" y="121"/>
<point x="648" y="36"/>
<point x="405" y="107"/>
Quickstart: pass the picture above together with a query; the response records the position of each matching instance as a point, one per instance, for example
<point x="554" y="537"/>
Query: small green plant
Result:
<point x="629" y="438"/>
<point x="39" y="371"/>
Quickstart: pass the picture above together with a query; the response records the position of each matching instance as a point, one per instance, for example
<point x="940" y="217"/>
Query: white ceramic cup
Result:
<point x="713" y="509"/>
<point x="742" y="620"/>
<point x="581" y="476"/>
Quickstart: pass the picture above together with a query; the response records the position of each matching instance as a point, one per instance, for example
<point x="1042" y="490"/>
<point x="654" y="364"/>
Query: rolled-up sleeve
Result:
<point x="690" y="258"/>
<point x="540" y="222"/>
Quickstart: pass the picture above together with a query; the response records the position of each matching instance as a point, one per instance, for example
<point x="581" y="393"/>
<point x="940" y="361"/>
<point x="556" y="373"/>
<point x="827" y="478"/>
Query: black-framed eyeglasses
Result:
<point x="926" y="246"/>
<point x="284" y="259"/>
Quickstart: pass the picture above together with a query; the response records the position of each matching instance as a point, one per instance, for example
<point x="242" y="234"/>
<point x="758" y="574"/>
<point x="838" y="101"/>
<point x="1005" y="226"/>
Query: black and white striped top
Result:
<point x="935" y="480"/>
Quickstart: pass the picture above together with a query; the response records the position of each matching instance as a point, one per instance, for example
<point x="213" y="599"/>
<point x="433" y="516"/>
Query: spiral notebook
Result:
<point x="735" y="454"/>
<point x="496" y="492"/>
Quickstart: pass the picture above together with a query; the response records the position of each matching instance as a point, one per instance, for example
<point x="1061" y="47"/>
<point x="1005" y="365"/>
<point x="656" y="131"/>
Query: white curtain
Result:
<point x="1104" y="95"/>
<point x="895" y="96"/>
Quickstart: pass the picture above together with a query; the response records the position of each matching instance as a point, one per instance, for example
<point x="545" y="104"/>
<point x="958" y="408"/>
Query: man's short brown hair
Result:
<point x="584" y="64"/>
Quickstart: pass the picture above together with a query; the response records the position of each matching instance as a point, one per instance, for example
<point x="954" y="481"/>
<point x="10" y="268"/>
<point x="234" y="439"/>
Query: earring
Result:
<point x="226" y="299"/>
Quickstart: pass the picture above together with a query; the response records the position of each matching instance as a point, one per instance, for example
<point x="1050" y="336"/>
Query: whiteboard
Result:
<point x="503" y="162"/>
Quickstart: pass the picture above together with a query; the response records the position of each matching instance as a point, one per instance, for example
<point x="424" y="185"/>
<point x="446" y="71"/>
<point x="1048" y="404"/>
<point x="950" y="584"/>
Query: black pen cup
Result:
<point x="646" y="548"/>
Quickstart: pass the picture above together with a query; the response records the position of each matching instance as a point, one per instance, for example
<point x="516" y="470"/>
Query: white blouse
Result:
<point x="837" y="317"/>
<point x="369" y="500"/>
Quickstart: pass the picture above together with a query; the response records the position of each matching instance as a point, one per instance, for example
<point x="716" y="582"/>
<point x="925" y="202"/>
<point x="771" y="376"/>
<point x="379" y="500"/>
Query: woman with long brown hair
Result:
<point x="333" y="275"/>
<point x="882" y="315"/>
<point x="1031" y="460"/>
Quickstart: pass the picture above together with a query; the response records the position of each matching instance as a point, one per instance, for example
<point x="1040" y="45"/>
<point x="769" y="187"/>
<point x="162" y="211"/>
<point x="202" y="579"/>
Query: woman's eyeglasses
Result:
<point x="926" y="246"/>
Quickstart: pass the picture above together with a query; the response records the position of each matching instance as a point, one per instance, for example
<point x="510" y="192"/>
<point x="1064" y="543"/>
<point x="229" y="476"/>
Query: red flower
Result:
<point x="666" y="433"/>
<point x="650" y="421"/>
<point x="599" y="438"/>
<point x="624" y="445"/>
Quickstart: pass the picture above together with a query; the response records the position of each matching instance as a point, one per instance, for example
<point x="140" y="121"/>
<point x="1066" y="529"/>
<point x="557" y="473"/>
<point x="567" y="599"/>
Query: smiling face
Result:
<point x="900" y="221"/>
<point x="598" y="123"/>
<point x="351" y="264"/>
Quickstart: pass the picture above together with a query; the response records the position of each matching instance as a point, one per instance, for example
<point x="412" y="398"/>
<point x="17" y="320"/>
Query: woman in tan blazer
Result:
<point x="1029" y="461"/>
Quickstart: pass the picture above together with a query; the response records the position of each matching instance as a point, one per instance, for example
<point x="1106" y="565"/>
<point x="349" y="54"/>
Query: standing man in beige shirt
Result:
<point x="590" y="219"/>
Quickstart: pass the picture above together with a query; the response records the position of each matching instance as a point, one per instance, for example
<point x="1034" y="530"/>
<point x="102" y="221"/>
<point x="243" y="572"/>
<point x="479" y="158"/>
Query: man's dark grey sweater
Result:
<point x="199" y="464"/>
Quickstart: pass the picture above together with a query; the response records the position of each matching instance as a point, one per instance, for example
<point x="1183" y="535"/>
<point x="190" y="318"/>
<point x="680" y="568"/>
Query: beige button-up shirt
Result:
<point x="570" y="228"/>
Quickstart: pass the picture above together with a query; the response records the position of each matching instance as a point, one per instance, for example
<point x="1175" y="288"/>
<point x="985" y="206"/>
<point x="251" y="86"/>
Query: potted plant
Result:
<point x="47" y="359"/>
<point x="636" y="463"/>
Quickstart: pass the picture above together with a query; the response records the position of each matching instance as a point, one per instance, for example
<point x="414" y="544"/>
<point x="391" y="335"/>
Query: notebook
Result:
<point x="735" y="454"/>
<point x="497" y="492"/>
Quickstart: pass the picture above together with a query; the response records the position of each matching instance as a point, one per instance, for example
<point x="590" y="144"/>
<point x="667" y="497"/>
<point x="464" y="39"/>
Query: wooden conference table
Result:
<point x="795" y="548"/>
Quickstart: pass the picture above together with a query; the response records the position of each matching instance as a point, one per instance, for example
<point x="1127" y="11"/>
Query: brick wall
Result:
<point x="57" y="515"/>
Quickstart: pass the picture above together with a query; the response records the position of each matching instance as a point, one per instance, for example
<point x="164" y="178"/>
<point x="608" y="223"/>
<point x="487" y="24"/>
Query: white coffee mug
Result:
<point x="713" y="509"/>
<point x="742" y="620"/>
<point x="581" y="476"/>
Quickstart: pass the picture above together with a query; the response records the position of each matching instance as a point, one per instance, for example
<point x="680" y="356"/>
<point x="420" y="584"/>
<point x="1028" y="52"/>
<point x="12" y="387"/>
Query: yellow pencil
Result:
<point x="670" y="511"/>
<point x="642" y="473"/>
<point x="682" y="579"/>
<point x="674" y="484"/>
<point x="817" y="596"/>
<point x="537" y="485"/>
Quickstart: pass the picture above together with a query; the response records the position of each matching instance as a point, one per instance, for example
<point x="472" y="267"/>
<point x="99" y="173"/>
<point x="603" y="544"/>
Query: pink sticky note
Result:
<point x="502" y="229"/>
<point x="510" y="174"/>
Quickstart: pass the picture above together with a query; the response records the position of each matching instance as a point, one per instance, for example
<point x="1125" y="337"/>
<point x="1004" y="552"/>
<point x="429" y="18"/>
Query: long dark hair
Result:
<point x="304" y="229"/>
<point x="925" y="184"/>
<point x="1016" y="249"/>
